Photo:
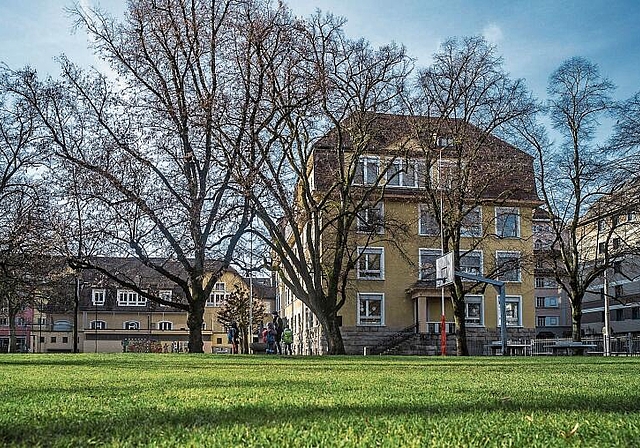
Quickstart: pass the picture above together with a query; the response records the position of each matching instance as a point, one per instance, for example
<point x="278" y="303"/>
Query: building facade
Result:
<point x="553" y="308"/>
<point x="392" y="288"/>
<point x="114" y="319"/>
<point x="615" y="229"/>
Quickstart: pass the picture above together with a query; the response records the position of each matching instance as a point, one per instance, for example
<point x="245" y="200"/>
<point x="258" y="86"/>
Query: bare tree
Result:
<point x="163" y="139"/>
<point x="576" y="178"/>
<point x="307" y="182"/>
<point x="462" y="102"/>
<point x="626" y="137"/>
<point x="627" y="129"/>
<point x="23" y="232"/>
<point x="78" y="227"/>
<point x="236" y="309"/>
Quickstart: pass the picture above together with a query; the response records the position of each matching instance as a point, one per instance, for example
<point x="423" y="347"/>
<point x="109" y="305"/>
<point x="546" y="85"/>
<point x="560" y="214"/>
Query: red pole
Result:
<point x="443" y="336"/>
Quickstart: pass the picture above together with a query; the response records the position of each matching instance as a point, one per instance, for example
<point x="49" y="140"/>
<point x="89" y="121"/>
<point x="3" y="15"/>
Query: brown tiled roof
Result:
<point x="503" y="171"/>
<point x="132" y="269"/>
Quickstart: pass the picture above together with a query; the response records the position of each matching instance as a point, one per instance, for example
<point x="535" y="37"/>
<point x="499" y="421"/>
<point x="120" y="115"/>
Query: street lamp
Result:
<point x="95" y="324"/>
<point x="443" y="320"/>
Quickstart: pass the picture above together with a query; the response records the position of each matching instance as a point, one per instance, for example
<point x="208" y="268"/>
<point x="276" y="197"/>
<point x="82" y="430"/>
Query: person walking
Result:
<point x="234" y="333"/>
<point x="279" y="328"/>
<point x="287" y="339"/>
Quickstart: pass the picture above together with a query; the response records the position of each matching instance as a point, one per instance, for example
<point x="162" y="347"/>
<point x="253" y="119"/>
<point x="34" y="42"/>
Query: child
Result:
<point x="287" y="338"/>
<point x="271" y="339"/>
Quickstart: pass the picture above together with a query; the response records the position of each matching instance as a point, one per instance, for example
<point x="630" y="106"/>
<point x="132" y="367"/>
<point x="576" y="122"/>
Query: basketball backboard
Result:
<point x="445" y="272"/>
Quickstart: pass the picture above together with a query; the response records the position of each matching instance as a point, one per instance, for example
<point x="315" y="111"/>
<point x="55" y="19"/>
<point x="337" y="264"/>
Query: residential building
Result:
<point x="614" y="229"/>
<point x="116" y="319"/>
<point x="392" y="290"/>
<point x="553" y="308"/>
<point x="23" y="330"/>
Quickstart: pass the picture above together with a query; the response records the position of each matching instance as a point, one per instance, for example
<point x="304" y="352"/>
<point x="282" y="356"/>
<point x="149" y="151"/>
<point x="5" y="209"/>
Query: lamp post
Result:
<point x="95" y="325"/>
<point x="606" y="337"/>
<point x="251" y="284"/>
<point x="76" y="307"/>
<point x="443" y="320"/>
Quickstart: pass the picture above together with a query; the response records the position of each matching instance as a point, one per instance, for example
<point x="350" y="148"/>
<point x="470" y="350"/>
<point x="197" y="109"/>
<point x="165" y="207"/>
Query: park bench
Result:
<point x="567" y="347"/>
<point x="513" y="348"/>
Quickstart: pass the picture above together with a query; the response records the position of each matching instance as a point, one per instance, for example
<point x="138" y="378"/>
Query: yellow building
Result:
<point x="115" y="319"/>
<point x="393" y="304"/>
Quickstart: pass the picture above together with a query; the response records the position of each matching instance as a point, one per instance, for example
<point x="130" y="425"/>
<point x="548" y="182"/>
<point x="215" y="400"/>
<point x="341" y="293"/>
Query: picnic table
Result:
<point x="513" y="348"/>
<point x="566" y="347"/>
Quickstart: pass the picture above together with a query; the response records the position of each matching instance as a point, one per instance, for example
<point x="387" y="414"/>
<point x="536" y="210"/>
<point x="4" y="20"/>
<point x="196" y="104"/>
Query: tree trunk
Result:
<point x="76" y="309"/>
<point x="194" y="322"/>
<point x="576" y="320"/>
<point x="461" y="329"/>
<point x="333" y="335"/>
<point x="12" y="332"/>
<point x="244" y="341"/>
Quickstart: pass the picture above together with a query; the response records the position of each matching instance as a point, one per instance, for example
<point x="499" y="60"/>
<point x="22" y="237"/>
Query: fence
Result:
<point x="624" y="345"/>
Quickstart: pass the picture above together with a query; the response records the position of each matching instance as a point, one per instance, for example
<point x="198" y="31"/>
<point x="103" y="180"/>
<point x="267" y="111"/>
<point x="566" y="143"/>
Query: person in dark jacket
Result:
<point x="234" y="333"/>
<point x="279" y="328"/>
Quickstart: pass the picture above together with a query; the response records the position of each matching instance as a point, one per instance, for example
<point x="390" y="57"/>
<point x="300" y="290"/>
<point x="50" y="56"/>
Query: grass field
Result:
<point x="238" y="401"/>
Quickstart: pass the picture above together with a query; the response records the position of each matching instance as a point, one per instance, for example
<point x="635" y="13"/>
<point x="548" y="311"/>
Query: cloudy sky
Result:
<point x="534" y="36"/>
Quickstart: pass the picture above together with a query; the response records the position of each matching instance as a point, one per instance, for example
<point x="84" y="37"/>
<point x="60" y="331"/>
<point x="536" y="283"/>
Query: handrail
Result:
<point x="396" y="339"/>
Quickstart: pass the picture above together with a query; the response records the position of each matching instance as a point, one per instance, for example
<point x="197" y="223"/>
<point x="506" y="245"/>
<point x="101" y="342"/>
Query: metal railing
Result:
<point x="434" y="327"/>
<point x="624" y="345"/>
<point x="395" y="340"/>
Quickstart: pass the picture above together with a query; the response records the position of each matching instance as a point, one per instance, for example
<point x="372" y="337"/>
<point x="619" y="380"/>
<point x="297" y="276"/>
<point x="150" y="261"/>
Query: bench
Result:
<point x="513" y="348"/>
<point x="566" y="347"/>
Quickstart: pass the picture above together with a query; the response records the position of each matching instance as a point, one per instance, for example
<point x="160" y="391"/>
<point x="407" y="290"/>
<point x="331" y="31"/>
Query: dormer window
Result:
<point x="98" y="297"/>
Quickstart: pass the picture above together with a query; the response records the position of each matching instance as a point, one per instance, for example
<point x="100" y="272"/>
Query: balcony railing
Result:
<point x="434" y="327"/>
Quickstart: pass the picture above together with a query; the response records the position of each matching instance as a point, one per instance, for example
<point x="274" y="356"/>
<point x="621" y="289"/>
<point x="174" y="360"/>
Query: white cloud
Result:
<point x="492" y="33"/>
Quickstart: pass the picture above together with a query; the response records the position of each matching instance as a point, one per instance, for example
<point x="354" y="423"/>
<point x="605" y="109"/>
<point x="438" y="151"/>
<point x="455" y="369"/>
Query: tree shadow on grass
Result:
<point x="146" y="423"/>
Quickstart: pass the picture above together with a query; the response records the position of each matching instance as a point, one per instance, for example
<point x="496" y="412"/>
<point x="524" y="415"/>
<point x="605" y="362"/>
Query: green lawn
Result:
<point x="238" y="401"/>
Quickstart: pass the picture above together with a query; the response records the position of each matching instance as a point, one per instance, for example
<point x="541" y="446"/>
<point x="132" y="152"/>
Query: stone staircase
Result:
<point x="417" y="344"/>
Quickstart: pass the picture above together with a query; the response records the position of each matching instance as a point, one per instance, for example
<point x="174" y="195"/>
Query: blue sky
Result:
<point x="534" y="36"/>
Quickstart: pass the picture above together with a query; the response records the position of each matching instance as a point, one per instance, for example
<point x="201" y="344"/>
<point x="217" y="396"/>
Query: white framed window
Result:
<point x="508" y="222"/>
<point x="165" y="325"/>
<point x="62" y="325"/>
<point x="370" y="263"/>
<point x="4" y="321"/>
<point x="403" y="173"/>
<point x="370" y="219"/>
<point x="98" y="297"/>
<point x="631" y="215"/>
<point x="472" y="223"/>
<point x="127" y="297"/>
<point x="471" y="262"/>
<point x="547" y="302"/>
<point x="98" y="325"/>
<point x="428" y="225"/>
<point x="367" y="171"/>
<point x="545" y="282"/>
<point x="443" y="142"/>
<point x="427" y="263"/>
<point x="513" y="307"/>
<point x="508" y="266"/>
<point x="131" y="325"/>
<point x="445" y="174"/>
<point x="370" y="309"/>
<point x="165" y="294"/>
<point x="218" y="295"/>
<point x="474" y="310"/>
<point x="552" y="321"/>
